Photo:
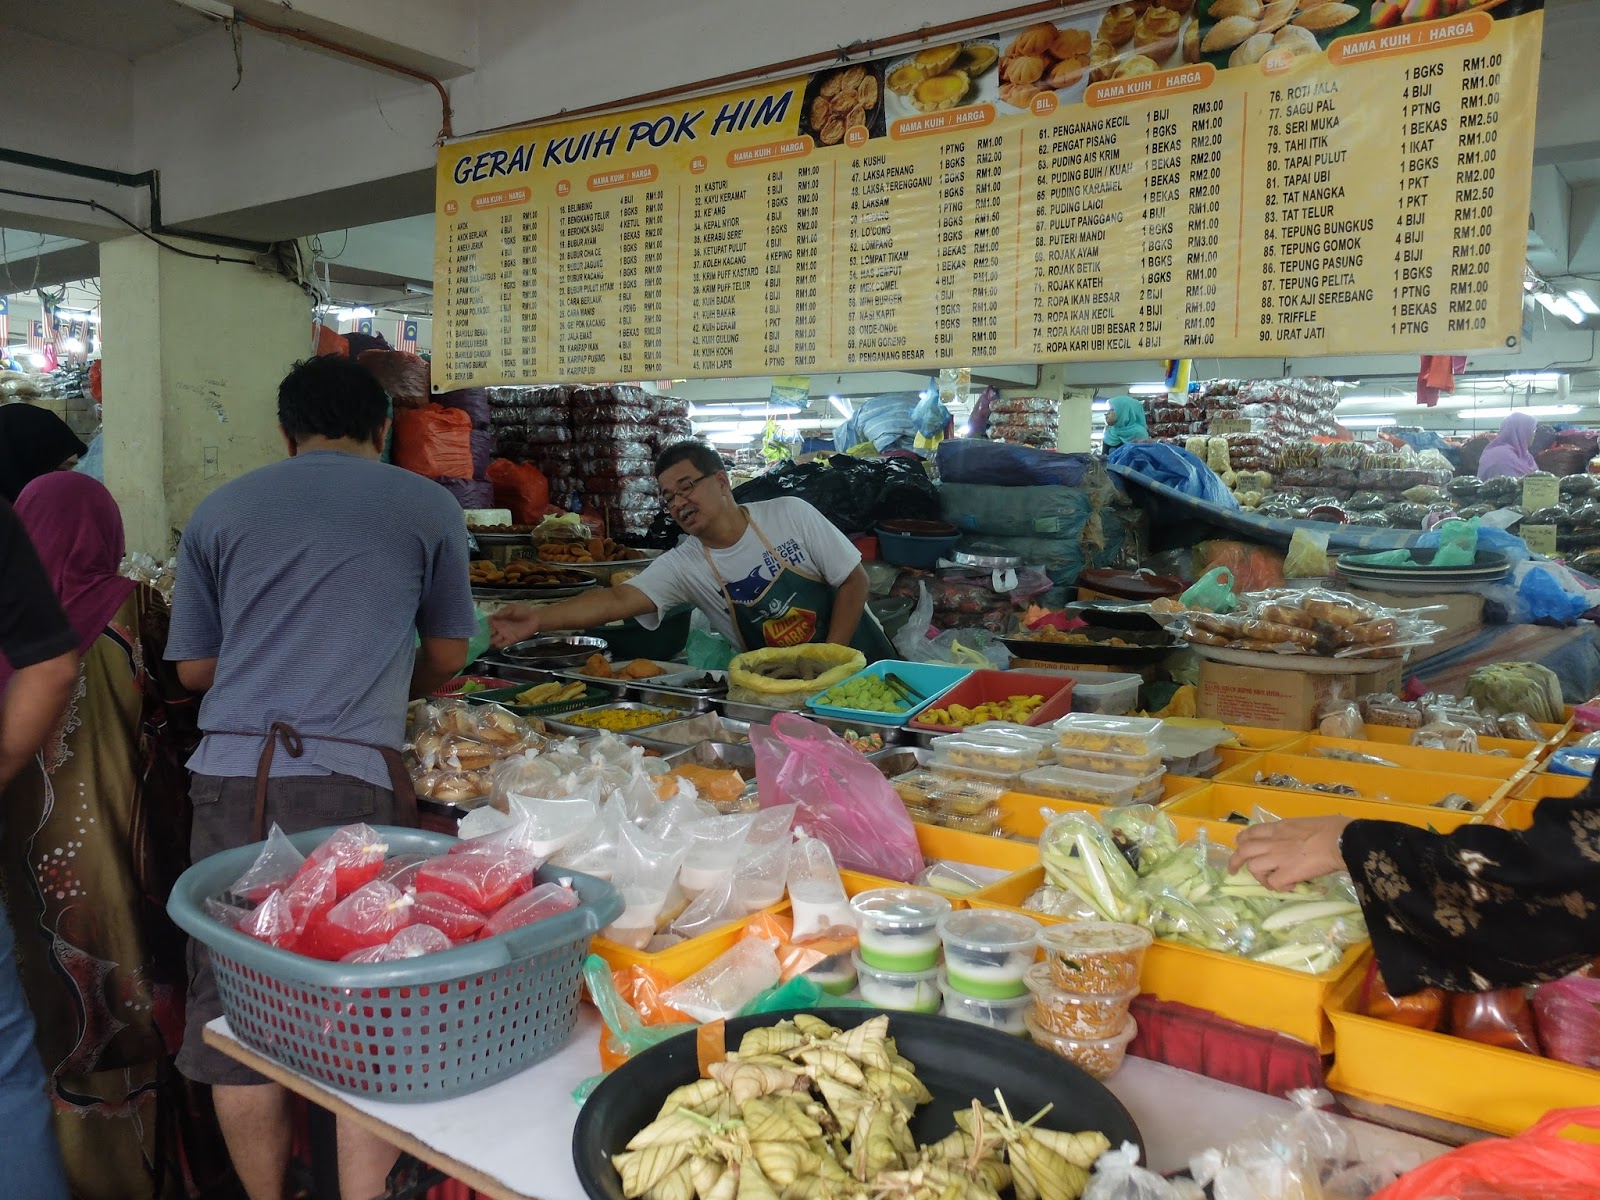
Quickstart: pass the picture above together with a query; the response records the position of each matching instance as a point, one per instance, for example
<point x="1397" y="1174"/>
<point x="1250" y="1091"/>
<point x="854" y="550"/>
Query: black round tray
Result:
<point x="957" y="1061"/>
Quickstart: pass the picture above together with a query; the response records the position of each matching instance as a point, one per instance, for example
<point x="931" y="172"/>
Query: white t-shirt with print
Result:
<point x="802" y="537"/>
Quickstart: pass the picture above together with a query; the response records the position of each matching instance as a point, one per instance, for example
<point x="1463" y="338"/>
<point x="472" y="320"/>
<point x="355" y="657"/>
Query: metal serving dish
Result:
<point x="721" y="756"/>
<point x="666" y="697"/>
<point x="674" y="735"/>
<point x="754" y="714"/>
<point x="897" y="760"/>
<point x="553" y="653"/>
<point x="563" y="723"/>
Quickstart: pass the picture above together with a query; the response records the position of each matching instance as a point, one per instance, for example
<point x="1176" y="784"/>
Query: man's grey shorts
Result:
<point x="223" y="812"/>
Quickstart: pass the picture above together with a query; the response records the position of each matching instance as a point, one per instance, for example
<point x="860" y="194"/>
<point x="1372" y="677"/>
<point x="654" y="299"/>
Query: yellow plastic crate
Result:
<point x="1486" y="1087"/>
<point x="952" y="845"/>
<point x="1250" y="993"/>
<point x="1513" y="813"/>
<point x="1023" y="816"/>
<point x="1385" y="785"/>
<point x="1218" y="801"/>
<point x="1420" y="758"/>
<point x="1259" y="738"/>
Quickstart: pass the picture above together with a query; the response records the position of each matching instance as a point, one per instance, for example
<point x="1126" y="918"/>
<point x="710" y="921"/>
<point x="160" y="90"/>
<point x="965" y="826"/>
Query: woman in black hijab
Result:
<point x="33" y="442"/>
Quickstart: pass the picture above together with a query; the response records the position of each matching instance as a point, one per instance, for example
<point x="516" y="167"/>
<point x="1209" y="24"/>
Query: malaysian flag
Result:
<point x="35" y="335"/>
<point x="364" y="326"/>
<point x="407" y="339"/>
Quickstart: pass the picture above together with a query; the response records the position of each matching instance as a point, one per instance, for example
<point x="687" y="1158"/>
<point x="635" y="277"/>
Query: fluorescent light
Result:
<point x="1535" y="410"/>
<point x="842" y="405"/>
<point x="1407" y="398"/>
<point x="1366" y="422"/>
<point x="1584" y="301"/>
<point x="72" y="346"/>
<point x="1100" y="406"/>
<point x="1148" y="389"/>
<point x="1550" y="378"/>
<point x="39" y="361"/>
<point x="1568" y="309"/>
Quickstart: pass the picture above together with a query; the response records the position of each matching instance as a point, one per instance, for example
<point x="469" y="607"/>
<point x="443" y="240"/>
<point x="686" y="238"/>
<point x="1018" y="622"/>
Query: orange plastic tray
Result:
<point x="1421" y="758"/>
<point x="1218" y="801"/>
<point x="1386" y="785"/>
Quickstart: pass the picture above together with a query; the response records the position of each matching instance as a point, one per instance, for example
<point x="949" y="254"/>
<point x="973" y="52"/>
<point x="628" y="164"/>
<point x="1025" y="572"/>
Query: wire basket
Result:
<point x="417" y="1030"/>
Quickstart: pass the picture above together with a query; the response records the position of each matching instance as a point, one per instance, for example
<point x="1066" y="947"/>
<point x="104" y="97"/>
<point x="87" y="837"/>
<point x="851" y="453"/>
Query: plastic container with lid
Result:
<point x="1130" y="766"/>
<point x="956" y="773"/>
<point x="835" y="975"/>
<point x="899" y="927"/>
<point x="987" y="951"/>
<point x="1071" y="1015"/>
<point x="998" y="752"/>
<point x="1108" y="692"/>
<point x="983" y="824"/>
<point x="1095" y="958"/>
<point x="1101" y="1057"/>
<point x="1042" y="734"/>
<point x="1085" y="787"/>
<point x="918" y="787"/>
<point x="899" y="991"/>
<point x="1132" y="736"/>
<point x="1009" y="1015"/>
<point x="1191" y="749"/>
<point x="965" y="797"/>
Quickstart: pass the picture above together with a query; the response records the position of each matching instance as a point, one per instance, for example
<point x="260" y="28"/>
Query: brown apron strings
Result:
<point x="294" y="744"/>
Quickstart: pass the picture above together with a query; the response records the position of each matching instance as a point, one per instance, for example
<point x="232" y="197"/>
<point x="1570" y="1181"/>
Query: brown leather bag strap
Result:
<point x="294" y="743"/>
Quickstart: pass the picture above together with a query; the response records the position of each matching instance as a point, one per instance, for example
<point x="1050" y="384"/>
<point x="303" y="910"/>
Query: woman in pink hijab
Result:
<point x="1509" y="453"/>
<point x="95" y="832"/>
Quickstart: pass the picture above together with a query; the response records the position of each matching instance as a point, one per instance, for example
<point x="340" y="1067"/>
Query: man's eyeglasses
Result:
<point x="668" y="499"/>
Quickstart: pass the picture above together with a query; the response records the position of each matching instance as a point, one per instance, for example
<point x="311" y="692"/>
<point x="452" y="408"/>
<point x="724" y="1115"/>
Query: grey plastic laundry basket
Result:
<point x="421" y="1029"/>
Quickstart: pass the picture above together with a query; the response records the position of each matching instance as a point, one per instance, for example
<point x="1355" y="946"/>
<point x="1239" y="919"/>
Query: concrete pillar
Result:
<point x="193" y="351"/>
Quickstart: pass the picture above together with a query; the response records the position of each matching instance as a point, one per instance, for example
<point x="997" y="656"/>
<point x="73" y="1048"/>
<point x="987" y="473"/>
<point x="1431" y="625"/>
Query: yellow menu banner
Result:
<point x="1167" y="179"/>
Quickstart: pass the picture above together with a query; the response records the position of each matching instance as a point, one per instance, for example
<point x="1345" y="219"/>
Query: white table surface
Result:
<point x="518" y="1133"/>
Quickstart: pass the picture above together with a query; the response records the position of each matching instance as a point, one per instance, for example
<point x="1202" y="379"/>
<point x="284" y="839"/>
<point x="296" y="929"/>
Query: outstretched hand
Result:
<point x="512" y="624"/>
<point x="1282" y="854"/>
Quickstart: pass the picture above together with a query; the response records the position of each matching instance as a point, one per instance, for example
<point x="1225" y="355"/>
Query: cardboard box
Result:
<point x="1280" y="697"/>
<point x="1459" y="612"/>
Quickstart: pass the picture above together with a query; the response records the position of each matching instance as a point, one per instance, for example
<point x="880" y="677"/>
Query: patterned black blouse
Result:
<point x="1481" y="908"/>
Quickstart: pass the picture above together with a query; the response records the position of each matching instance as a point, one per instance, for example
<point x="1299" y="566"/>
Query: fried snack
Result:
<point x="1102" y="61"/>
<point x="1157" y="32"/>
<point x="1072" y="43"/>
<point x="641" y="668"/>
<point x="832" y="133"/>
<point x="595" y="550"/>
<point x="1026" y="69"/>
<point x="1228" y="33"/>
<point x="597" y="666"/>
<point x="1067" y="73"/>
<point x="521" y="572"/>
<point x="1287" y="614"/>
<point x="1297" y="40"/>
<point x="1019" y="95"/>
<point x="867" y="94"/>
<point x="1221" y="9"/>
<point x="1275" y="16"/>
<point x="1338" y="611"/>
<point x="1034" y="40"/>
<point x="1370" y="633"/>
<point x="1322" y="17"/>
<point x="1191" y="43"/>
<point x="1118" y="24"/>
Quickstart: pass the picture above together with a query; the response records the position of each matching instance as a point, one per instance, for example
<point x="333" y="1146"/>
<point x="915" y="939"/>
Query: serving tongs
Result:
<point x="904" y="690"/>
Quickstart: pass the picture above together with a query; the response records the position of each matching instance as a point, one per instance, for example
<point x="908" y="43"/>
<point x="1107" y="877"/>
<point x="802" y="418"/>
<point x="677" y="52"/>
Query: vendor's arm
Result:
<point x="518" y="622"/>
<point x="848" y="605"/>
<point x="1472" y="910"/>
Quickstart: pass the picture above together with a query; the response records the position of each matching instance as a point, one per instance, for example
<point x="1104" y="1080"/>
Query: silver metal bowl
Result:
<point x="554" y="652"/>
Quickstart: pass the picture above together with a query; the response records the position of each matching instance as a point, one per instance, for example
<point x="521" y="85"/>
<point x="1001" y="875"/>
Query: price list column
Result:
<point x="1319" y="253"/>
<point x="1160" y="281"/>
<point x="885" y="311"/>
<point x="466" y="337"/>
<point x="721" y="275"/>
<point x="952" y="336"/>
<point x="811" y="292"/>
<point x="627" y="338"/>
<point x="985" y="214"/>
<point x="584" y="229"/>
<point x="1473" y="196"/>
<point x="1210" y="187"/>
<point x="1422" y="223"/>
<point x="505" y="315"/>
<point x="529" y="318"/>
<point x="653" y="285"/>
<point x="1071" y="238"/>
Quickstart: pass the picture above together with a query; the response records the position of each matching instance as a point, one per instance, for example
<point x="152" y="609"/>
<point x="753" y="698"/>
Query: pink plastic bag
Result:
<point x="546" y="900"/>
<point x="843" y="799"/>
<point x="356" y="850"/>
<point x="411" y="942"/>
<point x="485" y="879"/>
<point x="368" y="916"/>
<point x="1568" y="1014"/>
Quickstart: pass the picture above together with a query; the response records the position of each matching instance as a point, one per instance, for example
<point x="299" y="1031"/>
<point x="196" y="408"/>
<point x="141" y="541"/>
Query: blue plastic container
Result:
<point x="931" y="680"/>
<point x="920" y="551"/>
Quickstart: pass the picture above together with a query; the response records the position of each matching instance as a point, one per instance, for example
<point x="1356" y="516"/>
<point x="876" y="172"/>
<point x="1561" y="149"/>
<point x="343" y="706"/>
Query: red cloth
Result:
<point x="1438" y="377"/>
<point x="1200" y="1041"/>
<point x="77" y="529"/>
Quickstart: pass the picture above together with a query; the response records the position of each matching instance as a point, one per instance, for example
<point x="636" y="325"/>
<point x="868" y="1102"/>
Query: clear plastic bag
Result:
<point x="1520" y="727"/>
<point x="454" y="918"/>
<point x="411" y="942"/>
<point x="546" y="900"/>
<point x="1275" y="1158"/>
<point x="357" y="852"/>
<point x="368" y="916"/>
<point x="1118" y="1176"/>
<point x="646" y="874"/>
<point x="1080" y="857"/>
<point x="1568" y="1016"/>
<point x="1340" y="719"/>
<point x="483" y="879"/>
<point x="816" y="893"/>
<point x="271" y="922"/>
<point x="841" y="798"/>
<point x="272" y="870"/>
<point x="728" y="982"/>
<point x="1446" y="735"/>
<point x="1500" y="1018"/>
<point x="715" y="845"/>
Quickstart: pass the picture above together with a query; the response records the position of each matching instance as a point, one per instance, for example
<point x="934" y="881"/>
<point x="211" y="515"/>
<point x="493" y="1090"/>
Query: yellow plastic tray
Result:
<point x="1395" y="735"/>
<point x="1420" y="758"/>
<point x="1023" y="816"/>
<point x="1259" y="738"/>
<point x="1385" y="785"/>
<point x="1486" y="1087"/>
<point x="683" y="960"/>
<point x="1539" y="785"/>
<point x="952" y="845"/>
<point x="1251" y="993"/>
<point x="1513" y="813"/>
<point x="1217" y="802"/>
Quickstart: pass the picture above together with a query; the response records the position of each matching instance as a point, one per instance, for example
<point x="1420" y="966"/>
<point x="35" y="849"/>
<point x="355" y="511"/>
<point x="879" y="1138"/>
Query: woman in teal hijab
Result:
<point x="1125" y="422"/>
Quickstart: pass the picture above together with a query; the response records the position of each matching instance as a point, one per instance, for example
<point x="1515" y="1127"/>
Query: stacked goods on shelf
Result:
<point x="1025" y="421"/>
<point x="1176" y="417"/>
<point x="1280" y="410"/>
<point x="614" y="439"/>
<point x="531" y="426"/>
<point x="1375" y="485"/>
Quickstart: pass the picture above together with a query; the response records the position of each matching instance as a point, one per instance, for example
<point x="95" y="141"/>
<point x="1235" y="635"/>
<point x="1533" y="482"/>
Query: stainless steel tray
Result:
<point x="721" y="756"/>
<point x="563" y="723"/>
<point x="655" y="736"/>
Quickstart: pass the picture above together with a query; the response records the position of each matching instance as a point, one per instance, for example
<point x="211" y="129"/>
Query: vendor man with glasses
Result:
<point x="771" y="573"/>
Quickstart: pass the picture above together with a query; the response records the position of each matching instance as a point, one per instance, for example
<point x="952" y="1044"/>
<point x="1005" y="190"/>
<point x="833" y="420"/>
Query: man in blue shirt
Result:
<point x="302" y="591"/>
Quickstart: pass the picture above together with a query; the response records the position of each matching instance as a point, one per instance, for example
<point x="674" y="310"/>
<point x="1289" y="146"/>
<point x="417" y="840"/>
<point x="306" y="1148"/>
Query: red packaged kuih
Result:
<point x="311" y="896"/>
<point x="546" y="900"/>
<point x="485" y="879"/>
<point x="451" y="917"/>
<point x="271" y="922"/>
<point x="411" y="942"/>
<point x="401" y="870"/>
<point x="368" y="916"/>
<point x="356" y="850"/>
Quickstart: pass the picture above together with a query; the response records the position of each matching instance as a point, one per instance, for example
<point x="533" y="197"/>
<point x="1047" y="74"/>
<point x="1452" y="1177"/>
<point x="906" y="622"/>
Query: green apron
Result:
<point x="795" y="608"/>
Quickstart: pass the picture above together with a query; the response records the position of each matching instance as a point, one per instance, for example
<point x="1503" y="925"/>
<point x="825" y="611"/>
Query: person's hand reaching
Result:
<point x="512" y="624"/>
<point x="1282" y="854"/>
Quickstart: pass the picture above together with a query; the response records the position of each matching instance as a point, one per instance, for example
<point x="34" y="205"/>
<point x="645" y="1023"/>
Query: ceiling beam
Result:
<point x="430" y="36"/>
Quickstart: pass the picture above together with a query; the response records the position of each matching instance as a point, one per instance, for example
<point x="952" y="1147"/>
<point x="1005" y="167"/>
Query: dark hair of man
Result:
<point x="331" y="397"/>
<point x="701" y="456"/>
